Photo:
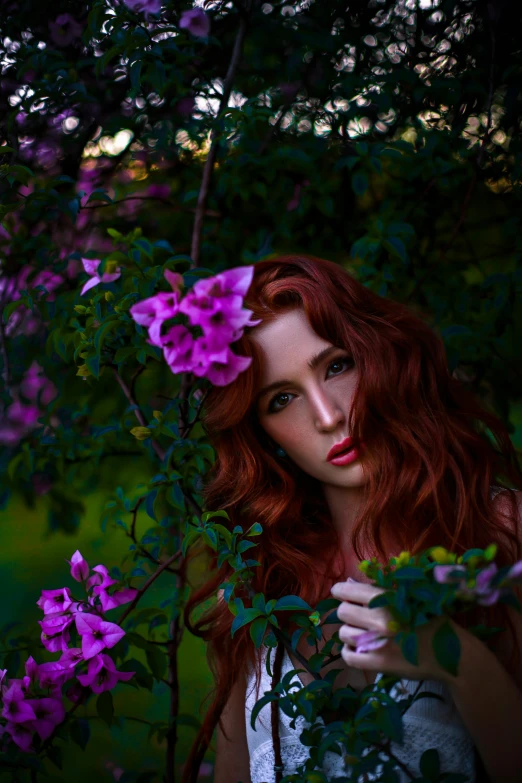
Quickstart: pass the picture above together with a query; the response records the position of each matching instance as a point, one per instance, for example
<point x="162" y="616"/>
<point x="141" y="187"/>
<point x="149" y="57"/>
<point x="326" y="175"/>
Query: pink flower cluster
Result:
<point x="485" y="592"/>
<point x="34" y="703"/>
<point x="215" y="304"/>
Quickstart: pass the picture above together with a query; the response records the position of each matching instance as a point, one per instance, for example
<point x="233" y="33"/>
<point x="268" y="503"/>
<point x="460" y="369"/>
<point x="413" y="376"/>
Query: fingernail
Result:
<point x="350" y="579"/>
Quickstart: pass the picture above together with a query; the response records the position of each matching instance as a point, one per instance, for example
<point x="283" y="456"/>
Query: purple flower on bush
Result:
<point x="216" y="305"/>
<point x="449" y="574"/>
<point x="79" y="567"/>
<point x="145" y="6"/>
<point x="64" y="29"/>
<point x="16" y="709"/>
<point x="96" y="633"/>
<point x="52" y="601"/>
<point x="49" y="713"/>
<point x="196" y="22"/>
<point x="91" y="267"/>
<point x="102" y="674"/>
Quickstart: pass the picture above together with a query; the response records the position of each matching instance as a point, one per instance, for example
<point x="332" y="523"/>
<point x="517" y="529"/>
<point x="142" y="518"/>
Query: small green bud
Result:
<point x="109" y="296"/>
<point x="158" y="415"/>
<point x="80" y="309"/>
<point x="117" y="309"/>
<point x="490" y="552"/>
<point x="83" y="371"/>
<point x="141" y="433"/>
<point x="315" y="618"/>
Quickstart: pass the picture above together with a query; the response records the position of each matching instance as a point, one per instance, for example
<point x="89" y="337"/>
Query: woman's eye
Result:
<point x="343" y="360"/>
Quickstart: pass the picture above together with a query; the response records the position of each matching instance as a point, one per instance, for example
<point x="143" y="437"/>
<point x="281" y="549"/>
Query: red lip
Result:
<point x="342" y="446"/>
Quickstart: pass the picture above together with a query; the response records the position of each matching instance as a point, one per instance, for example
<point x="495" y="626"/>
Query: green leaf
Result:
<point x="157" y="660"/>
<point x="410" y="648"/>
<point x="257" y="630"/>
<point x="259" y="706"/>
<point x="292" y="602"/>
<point x="105" y="707"/>
<point x="80" y="732"/>
<point x="243" y="618"/>
<point x="446" y="646"/>
<point x="396" y="247"/>
<point x="360" y="183"/>
<point x="430" y="765"/>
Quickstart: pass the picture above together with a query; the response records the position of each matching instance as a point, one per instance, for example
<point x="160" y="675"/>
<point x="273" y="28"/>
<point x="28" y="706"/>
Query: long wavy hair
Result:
<point x="433" y="451"/>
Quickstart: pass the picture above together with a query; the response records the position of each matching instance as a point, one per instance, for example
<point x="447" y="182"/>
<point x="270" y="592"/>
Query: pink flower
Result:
<point x="145" y="6"/>
<point x="91" y="266"/>
<point x="101" y="579"/>
<point x="49" y="713"/>
<point x="79" y="567"/>
<point x="515" y="572"/>
<point x="196" y="22"/>
<point x="448" y="574"/>
<point x="55" y="633"/>
<point x="64" y="30"/>
<point x="118" y="598"/>
<point x="97" y="634"/>
<point x="16" y="709"/>
<point x="369" y="640"/>
<point x="54" y="601"/>
<point x="488" y="595"/>
<point x="22" y="734"/>
<point x="102" y="674"/>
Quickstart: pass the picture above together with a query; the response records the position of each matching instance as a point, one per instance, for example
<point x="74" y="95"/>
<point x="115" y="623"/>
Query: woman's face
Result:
<point x="309" y="413"/>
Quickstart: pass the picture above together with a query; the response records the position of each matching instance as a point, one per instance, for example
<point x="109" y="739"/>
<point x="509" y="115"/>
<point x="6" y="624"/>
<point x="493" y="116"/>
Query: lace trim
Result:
<point x="455" y="751"/>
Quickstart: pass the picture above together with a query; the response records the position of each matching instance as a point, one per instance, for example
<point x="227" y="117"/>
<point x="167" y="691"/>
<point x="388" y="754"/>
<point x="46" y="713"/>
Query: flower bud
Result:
<point x="394" y="626"/>
<point x="315" y="618"/>
<point x="490" y="552"/>
<point x="141" y="433"/>
<point x="158" y="415"/>
<point x="440" y="555"/>
<point x="83" y="371"/>
<point x="109" y="296"/>
<point x="403" y="559"/>
<point x="80" y="309"/>
<point x="364" y="566"/>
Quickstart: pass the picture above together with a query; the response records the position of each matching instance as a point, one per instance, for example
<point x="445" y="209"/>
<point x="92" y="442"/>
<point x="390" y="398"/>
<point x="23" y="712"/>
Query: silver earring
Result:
<point x="280" y="452"/>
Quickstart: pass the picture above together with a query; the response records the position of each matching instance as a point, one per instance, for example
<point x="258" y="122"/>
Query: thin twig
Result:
<point x="171" y="204"/>
<point x="215" y="135"/>
<point x="148" y="583"/>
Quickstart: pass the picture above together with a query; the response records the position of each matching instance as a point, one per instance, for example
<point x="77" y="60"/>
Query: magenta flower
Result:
<point x="91" y="266"/>
<point x="3" y="673"/>
<point x="144" y="6"/>
<point x="31" y="673"/>
<point x="16" y="709"/>
<point x="196" y="22"/>
<point x="118" y="598"/>
<point x="102" y="674"/>
<point x="49" y="713"/>
<point x="101" y="579"/>
<point x="488" y="595"/>
<point x="53" y="601"/>
<point x="448" y="574"/>
<point x="97" y="634"/>
<point x="177" y="346"/>
<point x="22" y="734"/>
<point x="152" y="312"/>
<point x="220" y="367"/>
<point x="64" y="30"/>
<point x="79" y="567"/>
<point x="369" y="640"/>
<point x="158" y="191"/>
<point x="55" y="632"/>
<point x="54" y="673"/>
<point x="515" y="572"/>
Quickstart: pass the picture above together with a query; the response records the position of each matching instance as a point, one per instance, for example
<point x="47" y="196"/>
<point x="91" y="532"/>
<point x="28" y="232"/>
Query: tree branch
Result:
<point x="215" y="135"/>
<point x="148" y="583"/>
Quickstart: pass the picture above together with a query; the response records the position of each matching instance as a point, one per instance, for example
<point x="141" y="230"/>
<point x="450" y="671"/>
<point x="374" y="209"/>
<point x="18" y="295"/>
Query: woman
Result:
<point x="331" y="360"/>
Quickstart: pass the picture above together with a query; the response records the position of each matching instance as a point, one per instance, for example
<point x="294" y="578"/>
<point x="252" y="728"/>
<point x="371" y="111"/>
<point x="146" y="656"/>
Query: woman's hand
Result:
<point x="358" y="618"/>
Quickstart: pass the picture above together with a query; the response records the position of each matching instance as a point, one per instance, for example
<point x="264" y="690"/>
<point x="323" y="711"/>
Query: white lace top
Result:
<point x="428" y="723"/>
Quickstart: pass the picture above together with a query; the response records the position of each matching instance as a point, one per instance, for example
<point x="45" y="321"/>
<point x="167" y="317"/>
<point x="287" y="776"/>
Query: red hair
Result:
<point x="429" y="458"/>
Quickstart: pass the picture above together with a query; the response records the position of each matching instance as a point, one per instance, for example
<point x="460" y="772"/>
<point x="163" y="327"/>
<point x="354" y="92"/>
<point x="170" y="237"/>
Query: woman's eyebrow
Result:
<point x="314" y="362"/>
